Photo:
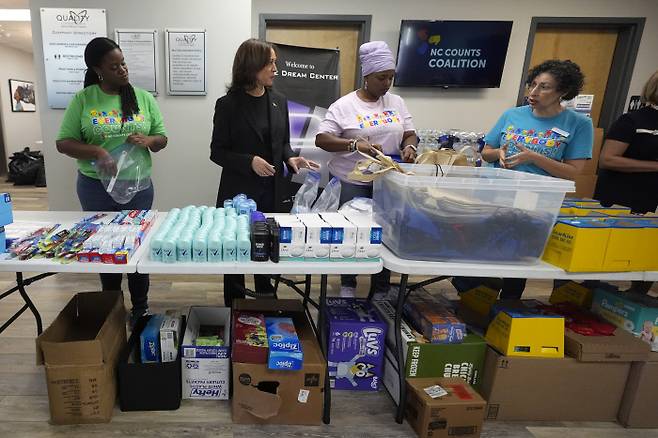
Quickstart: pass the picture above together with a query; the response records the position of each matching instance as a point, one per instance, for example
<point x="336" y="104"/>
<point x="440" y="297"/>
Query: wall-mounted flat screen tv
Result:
<point x="452" y="53"/>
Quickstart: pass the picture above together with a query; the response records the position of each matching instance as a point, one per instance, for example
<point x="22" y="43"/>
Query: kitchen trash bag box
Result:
<point x="206" y="369"/>
<point x="80" y="351"/>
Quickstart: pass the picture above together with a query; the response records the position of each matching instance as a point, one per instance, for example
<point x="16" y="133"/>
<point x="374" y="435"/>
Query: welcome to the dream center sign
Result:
<point x="452" y="53"/>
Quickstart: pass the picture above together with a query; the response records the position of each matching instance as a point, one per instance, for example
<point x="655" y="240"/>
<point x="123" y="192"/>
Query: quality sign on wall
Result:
<point x="65" y="33"/>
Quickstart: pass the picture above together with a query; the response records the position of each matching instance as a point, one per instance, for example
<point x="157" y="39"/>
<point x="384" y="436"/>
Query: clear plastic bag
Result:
<point x="357" y="205"/>
<point x="306" y="194"/>
<point x="329" y="199"/>
<point x="122" y="173"/>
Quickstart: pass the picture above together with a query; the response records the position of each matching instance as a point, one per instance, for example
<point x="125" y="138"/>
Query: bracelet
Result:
<point x="412" y="147"/>
<point x="351" y="147"/>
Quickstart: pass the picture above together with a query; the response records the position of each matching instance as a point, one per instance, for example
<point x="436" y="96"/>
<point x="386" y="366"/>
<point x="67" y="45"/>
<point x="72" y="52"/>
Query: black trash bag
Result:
<point x="25" y="166"/>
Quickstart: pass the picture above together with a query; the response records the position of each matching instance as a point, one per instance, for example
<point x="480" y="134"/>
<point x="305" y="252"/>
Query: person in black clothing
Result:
<point x="251" y="141"/>
<point x="628" y="166"/>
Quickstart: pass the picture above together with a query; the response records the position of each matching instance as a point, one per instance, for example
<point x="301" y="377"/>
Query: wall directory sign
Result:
<point x="65" y="34"/>
<point x="140" y="50"/>
<point x="186" y="62"/>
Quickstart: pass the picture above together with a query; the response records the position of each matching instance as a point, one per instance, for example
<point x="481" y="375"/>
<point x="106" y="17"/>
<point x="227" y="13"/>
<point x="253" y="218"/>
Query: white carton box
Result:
<point x="206" y="371"/>
<point x="368" y="237"/>
<point x="343" y="236"/>
<point x="292" y="237"/>
<point x="169" y="337"/>
<point x="318" y="237"/>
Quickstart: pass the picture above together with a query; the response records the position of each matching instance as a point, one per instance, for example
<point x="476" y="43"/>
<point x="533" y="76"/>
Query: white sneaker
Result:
<point x="347" y="292"/>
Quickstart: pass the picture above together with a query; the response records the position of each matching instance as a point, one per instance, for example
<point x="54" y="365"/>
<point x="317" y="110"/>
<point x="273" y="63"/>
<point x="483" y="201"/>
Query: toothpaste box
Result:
<point x="343" y="237"/>
<point x="169" y="338"/>
<point x="249" y="338"/>
<point x="149" y="340"/>
<point x="285" y="349"/>
<point x="356" y="344"/>
<point x="318" y="236"/>
<point x="206" y="369"/>
<point x="292" y="238"/>
<point x="368" y="237"/>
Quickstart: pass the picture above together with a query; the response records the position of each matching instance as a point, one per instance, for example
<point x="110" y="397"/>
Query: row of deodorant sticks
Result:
<point x="203" y="234"/>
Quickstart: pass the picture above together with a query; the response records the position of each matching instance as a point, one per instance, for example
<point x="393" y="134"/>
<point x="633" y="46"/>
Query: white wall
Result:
<point x="477" y="110"/>
<point x="182" y="173"/>
<point x="18" y="129"/>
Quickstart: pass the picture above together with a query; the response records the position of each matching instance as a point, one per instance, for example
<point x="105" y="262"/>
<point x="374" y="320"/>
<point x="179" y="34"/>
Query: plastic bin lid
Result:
<point x="465" y="177"/>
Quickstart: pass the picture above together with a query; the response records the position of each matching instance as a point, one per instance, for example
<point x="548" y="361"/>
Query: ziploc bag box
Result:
<point x="355" y="345"/>
<point x="206" y="369"/>
<point x="521" y="328"/>
<point x="80" y="351"/>
<point x="285" y="349"/>
<point x="633" y="312"/>
<point x="149" y="340"/>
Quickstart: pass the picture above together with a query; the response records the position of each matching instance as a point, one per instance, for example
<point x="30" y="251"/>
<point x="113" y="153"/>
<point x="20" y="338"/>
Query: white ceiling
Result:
<point x="20" y="32"/>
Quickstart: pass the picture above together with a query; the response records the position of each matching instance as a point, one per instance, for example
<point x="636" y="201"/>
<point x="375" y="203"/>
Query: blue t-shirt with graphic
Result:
<point x="567" y="136"/>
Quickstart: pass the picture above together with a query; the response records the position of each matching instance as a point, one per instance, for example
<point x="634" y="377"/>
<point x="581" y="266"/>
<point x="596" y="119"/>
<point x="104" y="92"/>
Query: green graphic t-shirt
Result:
<point x="94" y="117"/>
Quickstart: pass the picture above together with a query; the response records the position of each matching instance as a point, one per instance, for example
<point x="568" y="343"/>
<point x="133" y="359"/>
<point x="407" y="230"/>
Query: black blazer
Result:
<point x="235" y="142"/>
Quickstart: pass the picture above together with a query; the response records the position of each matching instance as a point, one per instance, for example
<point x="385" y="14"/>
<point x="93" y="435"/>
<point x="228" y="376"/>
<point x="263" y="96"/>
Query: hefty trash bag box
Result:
<point x="355" y="345"/>
<point x="443" y="408"/>
<point x="206" y="368"/>
<point x="547" y="389"/>
<point x="633" y="312"/>
<point x="264" y="396"/>
<point x="640" y="404"/>
<point x="80" y="351"/>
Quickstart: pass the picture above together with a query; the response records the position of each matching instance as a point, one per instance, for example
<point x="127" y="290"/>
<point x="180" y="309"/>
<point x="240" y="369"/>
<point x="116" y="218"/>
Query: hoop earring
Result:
<point x="100" y="77"/>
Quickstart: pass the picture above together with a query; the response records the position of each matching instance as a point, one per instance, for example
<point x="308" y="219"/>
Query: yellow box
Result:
<point x="572" y="292"/>
<point x="578" y="245"/>
<point x="647" y="252"/>
<point x="525" y="334"/>
<point x="479" y="299"/>
<point x="624" y="252"/>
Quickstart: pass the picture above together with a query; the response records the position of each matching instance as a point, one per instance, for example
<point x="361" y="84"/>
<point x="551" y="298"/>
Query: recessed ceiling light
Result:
<point x="14" y="15"/>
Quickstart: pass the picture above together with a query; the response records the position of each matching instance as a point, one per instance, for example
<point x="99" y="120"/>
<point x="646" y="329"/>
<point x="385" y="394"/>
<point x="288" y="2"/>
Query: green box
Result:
<point x="464" y="360"/>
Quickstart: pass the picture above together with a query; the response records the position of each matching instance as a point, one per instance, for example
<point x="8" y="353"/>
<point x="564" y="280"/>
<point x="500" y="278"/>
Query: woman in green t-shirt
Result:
<point x="105" y="115"/>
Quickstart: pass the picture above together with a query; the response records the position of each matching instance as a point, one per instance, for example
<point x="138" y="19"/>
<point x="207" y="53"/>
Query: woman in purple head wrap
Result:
<point x="366" y="119"/>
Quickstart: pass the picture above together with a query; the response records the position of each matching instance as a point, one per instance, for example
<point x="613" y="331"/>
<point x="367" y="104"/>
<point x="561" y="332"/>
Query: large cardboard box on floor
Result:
<point x="264" y="396"/>
<point x="459" y="412"/>
<point x="640" y="403"/>
<point x="622" y="346"/>
<point x="80" y="351"/>
<point x="542" y="389"/>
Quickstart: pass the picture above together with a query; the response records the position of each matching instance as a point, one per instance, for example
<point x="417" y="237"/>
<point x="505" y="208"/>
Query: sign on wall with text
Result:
<point x="186" y="62"/>
<point x="65" y="34"/>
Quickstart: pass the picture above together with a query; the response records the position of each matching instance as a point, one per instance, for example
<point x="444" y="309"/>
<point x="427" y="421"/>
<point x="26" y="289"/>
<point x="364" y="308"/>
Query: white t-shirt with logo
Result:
<point x="382" y="122"/>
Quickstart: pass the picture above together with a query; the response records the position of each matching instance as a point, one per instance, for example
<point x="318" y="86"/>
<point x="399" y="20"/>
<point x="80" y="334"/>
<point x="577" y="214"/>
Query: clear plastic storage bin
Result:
<point x="467" y="213"/>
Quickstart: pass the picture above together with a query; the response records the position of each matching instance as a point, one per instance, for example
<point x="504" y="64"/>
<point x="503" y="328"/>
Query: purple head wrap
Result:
<point x="375" y="56"/>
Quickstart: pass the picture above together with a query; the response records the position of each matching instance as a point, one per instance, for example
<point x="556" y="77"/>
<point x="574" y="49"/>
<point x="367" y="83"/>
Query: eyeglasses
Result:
<point x="543" y="87"/>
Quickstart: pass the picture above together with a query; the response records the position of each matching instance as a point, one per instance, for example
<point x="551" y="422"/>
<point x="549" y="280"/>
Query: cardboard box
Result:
<point x="585" y="185"/>
<point x="80" y="351"/>
<point x="460" y="412"/>
<point x="640" y="404"/>
<point x="437" y="323"/>
<point x="591" y="166"/>
<point x="422" y="359"/>
<point x="355" y="345"/>
<point x="264" y="396"/>
<point x="633" y="312"/>
<point x="523" y="331"/>
<point x="572" y="292"/>
<point x="206" y="369"/>
<point x="541" y="389"/>
<point x="621" y="347"/>
<point x="147" y="386"/>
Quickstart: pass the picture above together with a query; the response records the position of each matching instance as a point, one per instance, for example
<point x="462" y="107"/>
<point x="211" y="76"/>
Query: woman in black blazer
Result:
<point x="251" y="141"/>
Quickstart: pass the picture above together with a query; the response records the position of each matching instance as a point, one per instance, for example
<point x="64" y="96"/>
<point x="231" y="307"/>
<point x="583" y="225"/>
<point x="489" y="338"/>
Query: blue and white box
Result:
<point x="292" y="237"/>
<point x="343" y="237"/>
<point x="285" y="350"/>
<point x="368" y="236"/>
<point x="318" y="236"/>
<point x="206" y="371"/>
<point x="149" y="340"/>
